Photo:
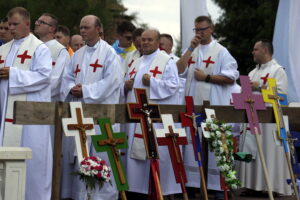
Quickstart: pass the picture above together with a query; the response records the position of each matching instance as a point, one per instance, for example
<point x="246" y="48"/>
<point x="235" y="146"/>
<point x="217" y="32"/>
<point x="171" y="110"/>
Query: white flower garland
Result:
<point x="221" y="142"/>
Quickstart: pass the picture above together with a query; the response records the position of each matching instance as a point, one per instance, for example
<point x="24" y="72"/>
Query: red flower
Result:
<point x="99" y="175"/>
<point x="99" y="168"/>
<point x="93" y="158"/>
<point x="102" y="162"/>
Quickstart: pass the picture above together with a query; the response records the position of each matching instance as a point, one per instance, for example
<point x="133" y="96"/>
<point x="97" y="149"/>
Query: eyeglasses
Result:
<point x="39" y="22"/>
<point x="200" y="29"/>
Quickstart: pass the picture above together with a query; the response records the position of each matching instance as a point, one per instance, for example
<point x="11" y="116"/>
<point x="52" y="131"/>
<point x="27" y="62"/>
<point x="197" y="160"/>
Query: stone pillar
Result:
<point x="13" y="172"/>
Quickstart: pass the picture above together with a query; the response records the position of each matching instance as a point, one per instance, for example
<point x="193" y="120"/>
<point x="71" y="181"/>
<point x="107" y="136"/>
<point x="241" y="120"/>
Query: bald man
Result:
<point x="157" y="73"/>
<point x="93" y="76"/>
<point x="76" y="42"/>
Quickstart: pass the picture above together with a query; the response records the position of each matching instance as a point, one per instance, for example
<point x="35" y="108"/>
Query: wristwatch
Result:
<point x="207" y="78"/>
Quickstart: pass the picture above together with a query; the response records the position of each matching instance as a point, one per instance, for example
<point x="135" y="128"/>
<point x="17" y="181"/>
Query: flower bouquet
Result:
<point x="221" y="142"/>
<point x="93" y="171"/>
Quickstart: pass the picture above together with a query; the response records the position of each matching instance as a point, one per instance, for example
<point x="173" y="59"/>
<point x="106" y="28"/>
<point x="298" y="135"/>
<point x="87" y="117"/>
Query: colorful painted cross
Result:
<point x="251" y="103"/>
<point x="77" y="70"/>
<point x="155" y="71"/>
<point x="24" y="56"/>
<point x="192" y="120"/>
<point x="265" y="78"/>
<point x="191" y="61"/>
<point x="171" y="137"/>
<point x="79" y="127"/>
<point x="95" y="65"/>
<point x="273" y="97"/>
<point x="144" y="112"/>
<point x="208" y="61"/>
<point x="1" y="61"/>
<point x="111" y="142"/>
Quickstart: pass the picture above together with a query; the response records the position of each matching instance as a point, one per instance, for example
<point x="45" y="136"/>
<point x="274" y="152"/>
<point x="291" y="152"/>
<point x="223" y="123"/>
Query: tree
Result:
<point x="70" y="12"/>
<point x="242" y="24"/>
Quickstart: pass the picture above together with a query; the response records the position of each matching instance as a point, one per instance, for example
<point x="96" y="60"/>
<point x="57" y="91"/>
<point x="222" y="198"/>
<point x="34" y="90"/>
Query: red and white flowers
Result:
<point x="94" y="171"/>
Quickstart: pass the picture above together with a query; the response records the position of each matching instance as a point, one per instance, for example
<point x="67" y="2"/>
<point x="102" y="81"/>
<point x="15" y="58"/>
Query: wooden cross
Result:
<point x="144" y="112"/>
<point x="79" y="127"/>
<point x="189" y="119"/>
<point x="191" y="61"/>
<point x="272" y="96"/>
<point x="95" y="65"/>
<point x="24" y="56"/>
<point x="208" y="61"/>
<point x="155" y="71"/>
<point x="168" y="137"/>
<point x="251" y="103"/>
<point x="111" y="143"/>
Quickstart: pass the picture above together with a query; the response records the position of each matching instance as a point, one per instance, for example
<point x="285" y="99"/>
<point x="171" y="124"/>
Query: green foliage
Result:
<point x="242" y="24"/>
<point x="70" y="12"/>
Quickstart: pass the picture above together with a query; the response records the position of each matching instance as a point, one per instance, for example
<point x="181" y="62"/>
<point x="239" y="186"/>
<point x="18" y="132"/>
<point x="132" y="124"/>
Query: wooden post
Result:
<point x="57" y="152"/>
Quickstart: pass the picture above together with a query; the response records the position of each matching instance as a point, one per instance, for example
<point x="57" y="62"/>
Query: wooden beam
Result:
<point x="44" y="112"/>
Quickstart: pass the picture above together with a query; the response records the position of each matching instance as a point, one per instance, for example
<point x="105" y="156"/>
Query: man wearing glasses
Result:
<point x="45" y="28"/>
<point x="25" y="68"/>
<point x="210" y="73"/>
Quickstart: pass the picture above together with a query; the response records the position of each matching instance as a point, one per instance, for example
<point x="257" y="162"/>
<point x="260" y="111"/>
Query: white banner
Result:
<point x="189" y="10"/>
<point x="286" y="43"/>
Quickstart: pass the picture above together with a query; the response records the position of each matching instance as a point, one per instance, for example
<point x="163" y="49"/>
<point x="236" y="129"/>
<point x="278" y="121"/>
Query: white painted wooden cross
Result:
<point x="79" y="127"/>
<point x="210" y="114"/>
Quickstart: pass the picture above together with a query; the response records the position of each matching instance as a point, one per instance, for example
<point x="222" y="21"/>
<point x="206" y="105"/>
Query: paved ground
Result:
<point x="235" y="196"/>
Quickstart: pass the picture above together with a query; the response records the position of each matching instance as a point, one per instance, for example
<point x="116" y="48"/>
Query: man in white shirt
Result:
<point x="45" y="28"/>
<point x="25" y="75"/>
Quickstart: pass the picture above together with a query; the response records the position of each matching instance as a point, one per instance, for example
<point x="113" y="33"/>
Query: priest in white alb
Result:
<point x="251" y="174"/>
<point x="94" y="77"/>
<point x="45" y="28"/>
<point x="210" y="73"/>
<point x="156" y="72"/>
<point x="25" y="68"/>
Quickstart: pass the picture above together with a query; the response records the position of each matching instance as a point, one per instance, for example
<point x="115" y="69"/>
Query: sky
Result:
<point x="163" y="14"/>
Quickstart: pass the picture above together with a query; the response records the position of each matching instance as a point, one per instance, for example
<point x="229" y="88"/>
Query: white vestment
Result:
<point x="225" y="65"/>
<point x="100" y="85"/>
<point x="60" y="58"/>
<point x="251" y="174"/>
<point x="160" y="91"/>
<point x="35" y="83"/>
